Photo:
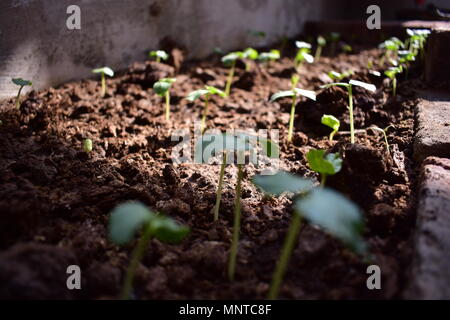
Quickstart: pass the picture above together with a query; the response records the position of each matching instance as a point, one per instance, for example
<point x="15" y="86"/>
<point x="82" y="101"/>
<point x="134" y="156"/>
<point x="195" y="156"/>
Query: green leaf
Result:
<point x="231" y="57"/>
<point x="302" y="44"/>
<point x="250" y="53"/>
<point x="302" y="55"/>
<point x="282" y="94"/>
<point x="21" y="82"/>
<point x="340" y="84"/>
<point x="163" y="85"/>
<point x="194" y="95"/>
<point x="168" y="230"/>
<point x="106" y="70"/>
<point x="329" y="164"/>
<point x="336" y="214"/>
<point x="272" y="55"/>
<point x="306" y="93"/>
<point x="321" y="41"/>
<point x="126" y="219"/>
<point x="335" y="75"/>
<point x="159" y="54"/>
<point x="364" y="85"/>
<point x="214" y="90"/>
<point x="331" y="122"/>
<point x="282" y="182"/>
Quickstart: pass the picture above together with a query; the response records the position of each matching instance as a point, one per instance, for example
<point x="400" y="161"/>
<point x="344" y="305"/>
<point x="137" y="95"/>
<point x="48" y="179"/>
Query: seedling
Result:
<point x="266" y="57"/>
<point x="347" y="48"/>
<point x="326" y="165"/>
<point x="391" y="47"/>
<point x="227" y="144"/>
<point x="392" y="73"/>
<point x="207" y="91"/>
<point x="230" y="61"/>
<point x="349" y="85"/>
<point x="159" y="55"/>
<point x="21" y="83"/>
<point x="334" y="39"/>
<point x="384" y="132"/>
<point x="303" y="53"/>
<point x="321" y="43"/>
<point x="126" y="220"/>
<point x="87" y="145"/>
<point x="417" y="39"/>
<point x="294" y="93"/>
<point x="323" y="207"/>
<point x="105" y="70"/>
<point x="331" y="122"/>
<point x="162" y="88"/>
<point x="336" y="76"/>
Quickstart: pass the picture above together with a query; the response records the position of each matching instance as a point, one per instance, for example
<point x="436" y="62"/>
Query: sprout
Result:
<point x="334" y="38"/>
<point x="207" y="91"/>
<point x="87" y="145"/>
<point x="416" y="40"/>
<point x="391" y="73"/>
<point x="294" y="93"/>
<point x="347" y="48"/>
<point x="384" y="132"/>
<point x="321" y="42"/>
<point x="391" y="47"/>
<point x="303" y="53"/>
<point x="158" y="55"/>
<point x="266" y="57"/>
<point x="127" y="219"/>
<point x="162" y="88"/>
<point x="21" y="83"/>
<point x="336" y="76"/>
<point x="230" y="60"/>
<point x="323" y="207"/>
<point x="331" y="122"/>
<point x="237" y="143"/>
<point x="329" y="164"/>
<point x="105" y="70"/>
<point x="349" y="85"/>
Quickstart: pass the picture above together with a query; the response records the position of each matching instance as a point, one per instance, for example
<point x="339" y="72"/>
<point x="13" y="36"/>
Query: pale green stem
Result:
<point x="291" y="119"/>
<point x="205" y="111"/>
<point x="18" y="98"/>
<point x="394" y="86"/>
<point x="219" y="187"/>
<point x="350" y="108"/>
<point x="318" y="53"/>
<point x="332" y="134"/>
<point x="158" y="59"/>
<point x="230" y="78"/>
<point x="387" y="143"/>
<point x="137" y="256"/>
<point x="236" y="225"/>
<point x="323" y="179"/>
<point x="103" y="85"/>
<point x="167" y="105"/>
<point x="283" y="260"/>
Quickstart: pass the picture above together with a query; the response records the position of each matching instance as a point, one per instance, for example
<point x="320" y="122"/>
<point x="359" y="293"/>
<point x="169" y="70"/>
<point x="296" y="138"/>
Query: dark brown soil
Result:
<point x="55" y="199"/>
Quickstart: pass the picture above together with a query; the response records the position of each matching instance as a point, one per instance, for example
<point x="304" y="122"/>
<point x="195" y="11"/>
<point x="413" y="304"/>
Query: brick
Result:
<point x="433" y="126"/>
<point x="437" y="63"/>
<point x="430" y="273"/>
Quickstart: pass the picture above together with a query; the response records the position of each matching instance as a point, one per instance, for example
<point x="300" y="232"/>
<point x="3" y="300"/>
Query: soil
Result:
<point x="55" y="198"/>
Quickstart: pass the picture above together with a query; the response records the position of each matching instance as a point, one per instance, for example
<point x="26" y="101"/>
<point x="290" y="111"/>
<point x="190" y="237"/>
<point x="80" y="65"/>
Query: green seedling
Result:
<point x="227" y="144"/>
<point x="391" y="47"/>
<point x="334" y="39"/>
<point x="162" y="88"/>
<point x="207" y="91"/>
<point x="336" y="76"/>
<point x="417" y="39"/>
<point x="267" y="57"/>
<point x="392" y="73"/>
<point x="326" y="165"/>
<point x="294" y="93"/>
<point x="87" y="145"/>
<point x="384" y="132"/>
<point x="347" y="48"/>
<point x="332" y="122"/>
<point x="349" y="85"/>
<point x="323" y="207"/>
<point x="303" y="53"/>
<point x="159" y="55"/>
<point x="21" y="83"/>
<point x="230" y="61"/>
<point x="321" y="43"/>
<point x="105" y="70"/>
<point x="129" y="218"/>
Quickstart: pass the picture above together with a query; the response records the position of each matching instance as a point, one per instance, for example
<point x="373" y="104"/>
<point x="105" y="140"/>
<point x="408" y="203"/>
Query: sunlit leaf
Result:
<point x="330" y="121"/>
<point x="282" y="182"/>
<point x="325" y="164"/>
<point x="106" y="70"/>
